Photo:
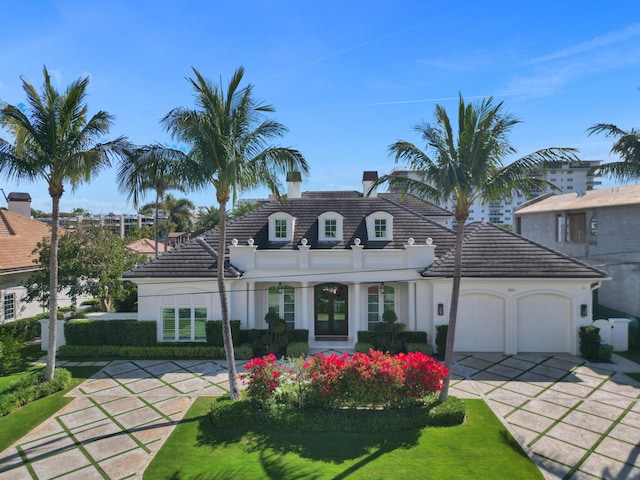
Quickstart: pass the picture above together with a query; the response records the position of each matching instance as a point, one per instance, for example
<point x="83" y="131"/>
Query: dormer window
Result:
<point x="330" y="227"/>
<point x="281" y="227"/>
<point x="380" y="226"/>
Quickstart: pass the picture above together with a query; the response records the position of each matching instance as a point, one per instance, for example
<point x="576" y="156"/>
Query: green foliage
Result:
<point x="23" y="330"/>
<point x="441" y="339"/>
<point x="244" y="351"/>
<point x="32" y="387"/>
<point x="413" y="337"/>
<point x="387" y="333"/>
<point x="213" y="331"/>
<point x="363" y="347"/>
<point x="298" y="335"/>
<point x="589" y="341"/>
<point x="450" y="412"/>
<point x="9" y="353"/>
<point x="295" y="349"/>
<point x="276" y="339"/>
<point x="605" y="352"/>
<point x="110" y="332"/>
<point x="91" y="261"/>
<point x="366" y="336"/>
<point x="159" y="351"/>
<point x="420" y="347"/>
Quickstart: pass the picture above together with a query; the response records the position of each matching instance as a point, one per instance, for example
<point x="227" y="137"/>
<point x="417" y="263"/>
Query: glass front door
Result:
<point x="331" y="308"/>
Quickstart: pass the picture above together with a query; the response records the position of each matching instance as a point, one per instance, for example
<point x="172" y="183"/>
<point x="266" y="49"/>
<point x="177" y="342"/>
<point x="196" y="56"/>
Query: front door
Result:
<point x="331" y="316"/>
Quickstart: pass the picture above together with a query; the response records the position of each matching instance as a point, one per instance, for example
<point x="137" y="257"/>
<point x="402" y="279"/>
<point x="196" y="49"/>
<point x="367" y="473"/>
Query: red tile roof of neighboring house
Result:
<point x="18" y="238"/>
<point x="146" y="246"/>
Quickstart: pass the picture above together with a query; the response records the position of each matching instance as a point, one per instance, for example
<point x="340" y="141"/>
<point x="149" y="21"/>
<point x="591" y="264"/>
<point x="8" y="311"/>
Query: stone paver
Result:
<point x="575" y="420"/>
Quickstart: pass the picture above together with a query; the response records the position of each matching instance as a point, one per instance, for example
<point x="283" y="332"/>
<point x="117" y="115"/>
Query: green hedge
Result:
<point x="368" y="337"/>
<point x="214" y="333"/>
<point x="119" y="351"/>
<point x="589" y="342"/>
<point x="452" y="411"/>
<point x="413" y="337"/>
<point x="23" y="330"/>
<point x="441" y="339"/>
<point x="32" y="387"/>
<point x="296" y="349"/>
<point x="111" y="332"/>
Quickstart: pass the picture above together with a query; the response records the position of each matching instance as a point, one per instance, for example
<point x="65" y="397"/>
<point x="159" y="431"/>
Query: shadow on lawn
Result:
<point x="317" y="446"/>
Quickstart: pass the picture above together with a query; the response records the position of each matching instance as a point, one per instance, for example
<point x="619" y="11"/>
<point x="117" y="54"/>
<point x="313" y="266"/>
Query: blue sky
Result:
<point x="346" y="78"/>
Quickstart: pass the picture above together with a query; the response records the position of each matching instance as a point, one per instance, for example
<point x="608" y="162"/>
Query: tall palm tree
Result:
<point x="208" y="218"/>
<point x="465" y="168"/>
<point x="178" y="212"/>
<point x="55" y="142"/>
<point x="229" y="142"/>
<point x="627" y="146"/>
<point x="149" y="168"/>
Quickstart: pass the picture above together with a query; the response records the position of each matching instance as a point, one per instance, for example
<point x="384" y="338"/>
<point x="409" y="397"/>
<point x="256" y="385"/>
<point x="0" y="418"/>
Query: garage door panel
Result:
<point x="543" y="323"/>
<point x="480" y="324"/>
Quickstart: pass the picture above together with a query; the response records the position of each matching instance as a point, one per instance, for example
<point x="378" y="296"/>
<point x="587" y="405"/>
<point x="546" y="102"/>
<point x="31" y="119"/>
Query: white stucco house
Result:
<point x="332" y="262"/>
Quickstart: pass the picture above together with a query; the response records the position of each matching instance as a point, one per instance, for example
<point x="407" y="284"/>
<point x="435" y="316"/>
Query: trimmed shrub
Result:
<point x="589" y="342"/>
<point x="242" y="352"/>
<point x="23" y="330"/>
<point x="450" y="412"/>
<point x="298" y="335"/>
<point x="413" y="337"/>
<point x="605" y="351"/>
<point x="420" y="347"/>
<point x="124" y="351"/>
<point x="110" y="332"/>
<point x="363" y="347"/>
<point x="366" y="336"/>
<point x="296" y="349"/>
<point x="441" y="339"/>
<point x="9" y="353"/>
<point x="32" y="387"/>
<point x="214" y="333"/>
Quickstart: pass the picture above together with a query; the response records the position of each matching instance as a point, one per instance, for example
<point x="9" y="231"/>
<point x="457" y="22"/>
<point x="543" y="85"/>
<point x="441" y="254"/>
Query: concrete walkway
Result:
<point x="575" y="420"/>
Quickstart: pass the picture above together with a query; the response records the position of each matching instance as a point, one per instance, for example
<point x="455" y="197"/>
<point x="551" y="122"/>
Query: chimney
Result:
<point x="368" y="178"/>
<point x="20" y="203"/>
<point x="294" y="180"/>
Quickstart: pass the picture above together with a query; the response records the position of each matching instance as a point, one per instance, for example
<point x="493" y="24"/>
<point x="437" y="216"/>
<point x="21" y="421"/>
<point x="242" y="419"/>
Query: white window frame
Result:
<point x="9" y="305"/>
<point x="290" y="225"/>
<point x="176" y="326"/>
<point x="381" y="302"/>
<point x="289" y="317"/>
<point x="371" y="226"/>
<point x="322" y="225"/>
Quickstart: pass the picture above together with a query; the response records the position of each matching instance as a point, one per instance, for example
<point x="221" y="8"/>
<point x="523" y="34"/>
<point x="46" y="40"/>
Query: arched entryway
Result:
<point x="331" y="310"/>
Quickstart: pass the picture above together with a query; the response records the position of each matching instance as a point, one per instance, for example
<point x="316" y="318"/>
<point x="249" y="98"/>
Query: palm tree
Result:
<point x="208" y="218"/>
<point x="627" y="146"/>
<point x="178" y="212"/>
<point x="244" y="208"/>
<point x="55" y="142"/>
<point x="148" y="168"/>
<point x="468" y="168"/>
<point x="229" y="148"/>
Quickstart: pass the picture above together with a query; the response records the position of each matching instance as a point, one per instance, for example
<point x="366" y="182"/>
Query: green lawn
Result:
<point x="481" y="448"/>
<point x="28" y="354"/>
<point x="18" y="423"/>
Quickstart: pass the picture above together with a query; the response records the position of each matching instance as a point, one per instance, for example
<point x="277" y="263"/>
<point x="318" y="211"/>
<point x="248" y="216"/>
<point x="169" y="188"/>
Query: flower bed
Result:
<point x="372" y="380"/>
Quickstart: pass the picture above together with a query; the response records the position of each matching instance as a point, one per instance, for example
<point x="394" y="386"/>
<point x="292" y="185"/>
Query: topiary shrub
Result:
<point x="297" y="349"/>
<point x="452" y="411"/>
<point x="363" y="347"/>
<point x="243" y="352"/>
<point x="366" y="336"/>
<point x="387" y="332"/>
<point x="604" y="352"/>
<point x="589" y="342"/>
<point x="275" y="340"/>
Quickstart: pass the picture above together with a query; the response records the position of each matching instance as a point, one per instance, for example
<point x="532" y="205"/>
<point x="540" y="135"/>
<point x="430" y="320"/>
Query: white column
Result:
<point x="357" y="310"/>
<point x="304" y="307"/>
<point x="251" y="304"/>
<point x="411" y="307"/>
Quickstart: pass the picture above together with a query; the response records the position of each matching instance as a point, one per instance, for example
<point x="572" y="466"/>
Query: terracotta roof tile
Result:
<point x="18" y="237"/>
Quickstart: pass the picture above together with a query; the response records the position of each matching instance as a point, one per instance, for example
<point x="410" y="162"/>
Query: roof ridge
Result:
<point x="7" y="223"/>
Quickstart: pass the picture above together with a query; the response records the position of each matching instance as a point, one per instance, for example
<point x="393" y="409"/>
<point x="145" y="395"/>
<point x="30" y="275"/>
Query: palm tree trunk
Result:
<point x="53" y="290"/>
<point x="453" y="310"/>
<point x="155" y="224"/>
<point x="234" y="391"/>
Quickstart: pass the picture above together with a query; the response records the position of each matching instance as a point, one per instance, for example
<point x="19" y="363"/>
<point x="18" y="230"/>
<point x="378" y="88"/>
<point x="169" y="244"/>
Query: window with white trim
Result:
<point x="380" y="226"/>
<point x="283" y="303"/>
<point x="330" y="227"/>
<point x="9" y="306"/>
<point x="281" y="227"/>
<point x="378" y="302"/>
<point x="184" y="324"/>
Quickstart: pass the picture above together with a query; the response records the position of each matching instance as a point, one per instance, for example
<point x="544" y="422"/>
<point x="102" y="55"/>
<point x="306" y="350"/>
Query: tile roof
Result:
<point x="604" y="197"/>
<point x="491" y="251"/>
<point x="146" y="246"/>
<point x="18" y="237"/>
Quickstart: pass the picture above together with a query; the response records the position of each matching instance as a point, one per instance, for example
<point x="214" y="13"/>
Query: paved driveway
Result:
<point x="576" y="420"/>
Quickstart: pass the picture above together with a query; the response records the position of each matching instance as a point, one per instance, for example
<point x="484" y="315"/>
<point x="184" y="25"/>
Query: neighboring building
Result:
<point x="19" y="236"/>
<point x="599" y="227"/>
<point x="146" y="246"/>
<point x="333" y="262"/>
<point x="570" y="177"/>
<point x="118" y="224"/>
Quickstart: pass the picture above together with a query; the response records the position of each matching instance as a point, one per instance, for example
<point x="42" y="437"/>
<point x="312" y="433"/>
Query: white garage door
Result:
<point x="543" y="323"/>
<point x="480" y="326"/>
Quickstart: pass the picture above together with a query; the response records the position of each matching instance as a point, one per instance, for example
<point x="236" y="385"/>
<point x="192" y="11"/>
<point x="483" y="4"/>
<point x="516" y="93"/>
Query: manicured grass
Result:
<point x="481" y="448"/>
<point x="28" y="354"/>
<point x="632" y="355"/>
<point x="18" y="423"/>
